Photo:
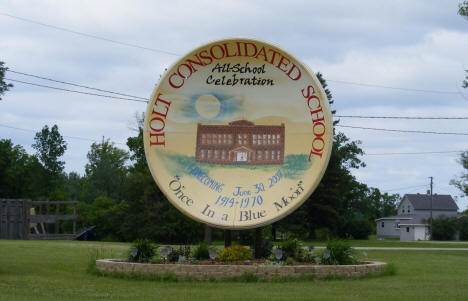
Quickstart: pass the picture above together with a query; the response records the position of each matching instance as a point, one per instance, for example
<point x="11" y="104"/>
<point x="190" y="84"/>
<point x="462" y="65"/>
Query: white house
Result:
<point x="414" y="211"/>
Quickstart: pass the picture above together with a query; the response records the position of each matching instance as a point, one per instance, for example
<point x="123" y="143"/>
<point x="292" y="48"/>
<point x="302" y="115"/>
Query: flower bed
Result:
<point x="226" y="271"/>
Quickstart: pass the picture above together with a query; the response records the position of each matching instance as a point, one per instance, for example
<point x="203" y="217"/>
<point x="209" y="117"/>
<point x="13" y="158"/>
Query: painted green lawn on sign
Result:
<point x="56" y="270"/>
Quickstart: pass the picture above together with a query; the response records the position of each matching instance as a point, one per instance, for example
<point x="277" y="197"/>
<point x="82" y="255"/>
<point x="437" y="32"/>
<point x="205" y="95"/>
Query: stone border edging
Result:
<point x="205" y="272"/>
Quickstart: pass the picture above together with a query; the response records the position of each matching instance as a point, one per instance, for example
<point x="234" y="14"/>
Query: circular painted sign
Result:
<point x="238" y="133"/>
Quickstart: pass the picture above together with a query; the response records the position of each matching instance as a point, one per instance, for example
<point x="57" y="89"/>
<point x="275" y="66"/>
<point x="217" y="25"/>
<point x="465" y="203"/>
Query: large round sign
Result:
<point x="238" y="133"/>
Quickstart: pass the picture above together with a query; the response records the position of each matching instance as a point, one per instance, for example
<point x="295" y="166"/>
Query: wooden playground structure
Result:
<point x="26" y="219"/>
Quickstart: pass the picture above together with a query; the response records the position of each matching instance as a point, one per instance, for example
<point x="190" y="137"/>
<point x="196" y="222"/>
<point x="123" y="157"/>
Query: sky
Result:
<point x="380" y="58"/>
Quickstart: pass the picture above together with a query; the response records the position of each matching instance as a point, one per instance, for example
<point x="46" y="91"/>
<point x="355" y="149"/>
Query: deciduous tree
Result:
<point x="3" y="85"/>
<point x="463" y="11"/>
<point x="462" y="181"/>
<point x="20" y="174"/>
<point x="50" y="146"/>
<point x="105" y="171"/>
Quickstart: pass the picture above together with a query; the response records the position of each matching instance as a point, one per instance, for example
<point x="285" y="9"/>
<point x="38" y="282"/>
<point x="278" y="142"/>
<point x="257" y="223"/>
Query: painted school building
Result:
<point x="240" y="142"/>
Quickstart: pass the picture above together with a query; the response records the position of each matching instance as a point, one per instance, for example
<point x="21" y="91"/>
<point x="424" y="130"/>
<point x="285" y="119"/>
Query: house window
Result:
<point x="254" y="139"/>
<point x="407" y="229"/>
<point x="203" y="139"/>
<point x="223" y="154"/>
<point x="383" y="224"/>
<point x="279" y="155"/>
<point x="278" y="139"/>
<point x="230" y="139"/>
<point x="208" y="155"/>
<point x="259" y="155"/>
<point x="216" y="154"/>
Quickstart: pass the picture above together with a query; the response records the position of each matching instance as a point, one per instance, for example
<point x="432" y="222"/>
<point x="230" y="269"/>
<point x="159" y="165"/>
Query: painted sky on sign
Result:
<point x="366" y="50"/>
<point x="228" y="106"/>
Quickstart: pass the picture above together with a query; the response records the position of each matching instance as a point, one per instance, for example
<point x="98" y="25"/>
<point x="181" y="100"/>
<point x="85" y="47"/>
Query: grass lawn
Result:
<point x="395" y="243"/>
<point x="56" y="270"/>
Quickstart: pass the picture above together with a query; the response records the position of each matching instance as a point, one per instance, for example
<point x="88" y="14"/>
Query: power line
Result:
<point x="414" y="153"/>
<point x="74" y="91"/>
<point x="142" y="98"/>
<point x="401" y="131"/>
<point x="71" y="137"/>
<point x="76" y="85"/>
<point x="368" y="154"/>
<point x="90" y="35"/>
<point x="393" y="88"/>
<point x="403" y="188"/>
<point x="176" y="54"/>
<point x="137" y="100"/>
<point x="399" y="117"/>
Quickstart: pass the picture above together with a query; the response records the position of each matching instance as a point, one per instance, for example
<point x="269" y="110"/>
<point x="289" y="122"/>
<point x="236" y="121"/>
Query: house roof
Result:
<point x="417" y="219"/>
<point x="399" y="217"/>
<point x="439" y="201"/>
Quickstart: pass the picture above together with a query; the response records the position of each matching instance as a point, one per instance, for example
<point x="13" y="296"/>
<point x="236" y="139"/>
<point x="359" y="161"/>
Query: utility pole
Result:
<point x="431" y="205"/>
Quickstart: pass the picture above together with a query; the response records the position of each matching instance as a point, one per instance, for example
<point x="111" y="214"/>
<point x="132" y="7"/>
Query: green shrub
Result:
<point x="290" y="247"/>
<point x="463" y="227"/>
<point x="201" y="252"/>
<point x="303" y="255"/>
<point x="294" y="248"/>
<point x="145" y="250"/>
<point x="265" y="248"/>
<point x="339" y="253"/>
<point x="444" y="228"/>
<point x="358" y="228"/>
<point x="390" y="270"/>
<point x="173" y="256"/>
<point x="235" y="253"/>
<point x="322" y="234"/>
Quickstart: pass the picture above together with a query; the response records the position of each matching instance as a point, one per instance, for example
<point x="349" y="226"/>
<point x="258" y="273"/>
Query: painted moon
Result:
<point x="238" y="134"/>
<point x="207" y="106"/>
